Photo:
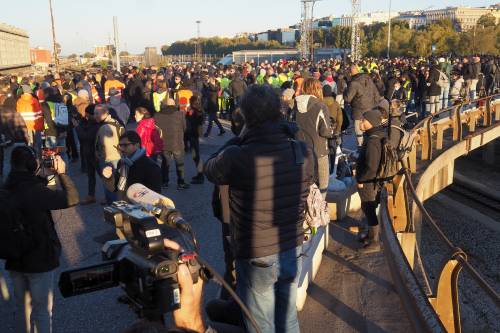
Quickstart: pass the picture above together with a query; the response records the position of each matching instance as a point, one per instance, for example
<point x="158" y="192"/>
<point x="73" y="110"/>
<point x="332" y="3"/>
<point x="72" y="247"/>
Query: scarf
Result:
<point x="126" y="163"/>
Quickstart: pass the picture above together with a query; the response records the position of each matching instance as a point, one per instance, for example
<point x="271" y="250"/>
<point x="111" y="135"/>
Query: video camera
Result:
<point x="140" y="263"/>
<point x="49" y="156"/>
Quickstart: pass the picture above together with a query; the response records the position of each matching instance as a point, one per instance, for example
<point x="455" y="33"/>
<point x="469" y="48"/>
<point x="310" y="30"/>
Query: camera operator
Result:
<point x="134" y="167"/>
<point x="32" y="273"/>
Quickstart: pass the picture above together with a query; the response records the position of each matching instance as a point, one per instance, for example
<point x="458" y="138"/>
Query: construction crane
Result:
<point x="306" y="44"/>
<point x="355" y="33"/>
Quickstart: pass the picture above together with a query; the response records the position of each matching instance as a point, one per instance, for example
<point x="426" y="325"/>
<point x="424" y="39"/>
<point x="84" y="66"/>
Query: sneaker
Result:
<point x="182" y="186"/>
<point x="88" y="200"/>
<point x="199" y="179"/>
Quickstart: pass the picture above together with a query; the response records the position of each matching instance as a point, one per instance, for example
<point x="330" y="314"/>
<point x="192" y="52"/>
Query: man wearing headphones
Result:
<point x="33" y="273"/>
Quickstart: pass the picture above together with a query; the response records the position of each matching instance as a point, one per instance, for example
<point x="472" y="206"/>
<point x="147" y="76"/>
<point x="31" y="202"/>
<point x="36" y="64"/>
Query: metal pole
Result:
<point x="117" y="43"/>
<point x="389" y="32"/>
<point x="56" y="57"/>
<point x="198" y="45"/>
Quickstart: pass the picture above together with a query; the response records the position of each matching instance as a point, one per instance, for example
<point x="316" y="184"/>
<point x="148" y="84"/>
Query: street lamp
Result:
<point x="389" y="32"/>
<point x="198" y="46"/>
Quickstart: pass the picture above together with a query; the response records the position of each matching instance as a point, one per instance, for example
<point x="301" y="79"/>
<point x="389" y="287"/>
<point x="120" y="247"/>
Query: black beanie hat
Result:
<point x="374" y="117"/>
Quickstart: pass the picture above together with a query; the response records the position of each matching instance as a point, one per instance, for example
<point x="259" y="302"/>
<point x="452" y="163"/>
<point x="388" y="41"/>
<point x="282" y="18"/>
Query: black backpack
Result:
<point x="390" y="156"/>
<point x="15" y="237"/>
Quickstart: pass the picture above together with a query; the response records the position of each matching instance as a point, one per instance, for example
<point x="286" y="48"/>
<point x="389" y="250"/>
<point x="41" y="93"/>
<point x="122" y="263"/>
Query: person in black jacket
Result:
<point x="134" y="167"/>
<point x="87" y="133"/>
<point x="269" y="175"/>
<point x="434" y="90"/>
<point x="237" y="88"/>
<point x="172" y="122"/>
<point x="366" y="174"/>
<point x="362" y="95"/>
<point x="33" y="272"/>
<point x="211" y="91"/>
<point x="194" y="127"/>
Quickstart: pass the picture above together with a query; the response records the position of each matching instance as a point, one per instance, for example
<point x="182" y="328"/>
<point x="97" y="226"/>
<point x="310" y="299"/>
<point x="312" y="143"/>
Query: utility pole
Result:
<point x="197" y="50"/>
<point x="117" y="43"/>
<point x="54" y="43"/>
<point x="389" y="32"/>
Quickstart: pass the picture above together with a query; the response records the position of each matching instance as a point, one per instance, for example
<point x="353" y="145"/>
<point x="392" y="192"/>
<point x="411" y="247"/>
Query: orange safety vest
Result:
<point x="31" y="111"/>
<point x="184" y="96"/>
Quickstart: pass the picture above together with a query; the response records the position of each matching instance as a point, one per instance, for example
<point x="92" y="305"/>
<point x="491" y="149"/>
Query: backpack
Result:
<point x="317" y="212"/>
<point x="390" y="155"/>
<point x="61" y="115"/>
<point x="443" y="80"/>
<point x="15" y="237"/>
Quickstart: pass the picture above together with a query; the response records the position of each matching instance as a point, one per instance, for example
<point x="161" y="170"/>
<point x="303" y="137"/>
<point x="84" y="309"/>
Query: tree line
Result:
<point x="436" y="38"/>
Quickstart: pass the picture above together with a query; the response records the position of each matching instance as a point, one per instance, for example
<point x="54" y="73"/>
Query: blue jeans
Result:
<point x="33" y="299"/>
<point x="445" y="92"/>
<point x="110" y="196"/>
<point x="268" y="287"/>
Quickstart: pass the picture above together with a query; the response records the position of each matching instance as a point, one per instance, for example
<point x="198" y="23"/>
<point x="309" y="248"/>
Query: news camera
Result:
<point x="139" y="262"/>
<point x="49" y="156"/>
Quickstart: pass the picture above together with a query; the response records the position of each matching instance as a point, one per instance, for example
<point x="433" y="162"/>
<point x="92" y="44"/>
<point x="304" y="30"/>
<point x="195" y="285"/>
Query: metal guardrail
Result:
<point x="438" y="312"/>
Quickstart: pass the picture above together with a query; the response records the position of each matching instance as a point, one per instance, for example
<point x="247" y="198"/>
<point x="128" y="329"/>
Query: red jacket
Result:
<point x="150" y="135"/>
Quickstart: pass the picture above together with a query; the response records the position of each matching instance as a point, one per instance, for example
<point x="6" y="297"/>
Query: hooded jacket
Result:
<point x="370" y="155"/>
<point x="121" y="108"/>
<point x="150" y="136"/>
<point x="362" y="94"/>
<point x="268" y="188"/>
<point x="32" y="193"/>
<point x="312" y="117"/>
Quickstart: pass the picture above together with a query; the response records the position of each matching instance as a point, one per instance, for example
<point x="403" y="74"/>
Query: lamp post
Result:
<point x="198" y="46"/>
<point x="389" y="32"/>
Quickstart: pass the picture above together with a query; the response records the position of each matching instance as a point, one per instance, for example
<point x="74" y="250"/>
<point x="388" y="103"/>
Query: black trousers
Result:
<point x="90" y="167"/>
<point x="194" y="142"/>
<point x="230" y="271"/>
<point x="71" y="144"/>
<point x="178" y="157"/>
<point x="212" y="118"/>
<point x="370" y="199"/>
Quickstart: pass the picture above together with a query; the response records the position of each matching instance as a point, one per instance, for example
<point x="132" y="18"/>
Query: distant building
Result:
<point x="104" y="51"/>
<point x="415" y="19"/>
<point x="285" y="36"/>
<point x="14" y="47"/>
<point x="323" y="23"/>
<point x="151" y="56"/>
<point x="365" y="19"/>
<point x="40" y="56"/>
<point x="464" y="18"/>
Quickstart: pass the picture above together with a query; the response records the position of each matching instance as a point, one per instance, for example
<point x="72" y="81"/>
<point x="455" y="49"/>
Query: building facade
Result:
<point x="104" y="51"/>
<point x="415" y="19"/>
<point x="14" y="47"/>
<point x="40" y="55"/>
<point x="463" y="18"/>
<point x="151" y="56"/>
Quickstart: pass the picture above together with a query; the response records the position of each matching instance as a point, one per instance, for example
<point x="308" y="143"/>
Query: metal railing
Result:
<point x="439" y="311"/>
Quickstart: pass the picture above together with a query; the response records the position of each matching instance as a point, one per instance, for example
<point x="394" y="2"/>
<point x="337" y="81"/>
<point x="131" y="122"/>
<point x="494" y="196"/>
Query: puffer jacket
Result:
<point x="268" y="188"/>
<point x="362" y="95"/>
<point x="172" y="123"/>
<point x="150" y="136"/>
<point x="370" y="155"/>
<point x="312" y="117"/>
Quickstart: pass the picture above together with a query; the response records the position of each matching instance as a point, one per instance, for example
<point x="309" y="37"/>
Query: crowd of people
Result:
<point x="288" y="118"/>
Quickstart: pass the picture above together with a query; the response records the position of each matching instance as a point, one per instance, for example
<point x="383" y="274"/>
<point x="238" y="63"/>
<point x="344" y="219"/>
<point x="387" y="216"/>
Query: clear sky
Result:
<point x="80" y="25"/>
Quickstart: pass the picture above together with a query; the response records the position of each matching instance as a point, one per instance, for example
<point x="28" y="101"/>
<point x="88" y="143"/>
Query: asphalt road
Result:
<point x="83" y="232"/>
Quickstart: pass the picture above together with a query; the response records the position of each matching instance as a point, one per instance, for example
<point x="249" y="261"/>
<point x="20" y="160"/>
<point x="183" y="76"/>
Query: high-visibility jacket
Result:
<point x="282" y="78"/>
<point x="112" y="84"/>
<point x="158" y="98"/>
<point x="407" y="89"/>
<point x="95" y="95"/>
<point x="31" y="111"/>
<point x="273" y="81"/>
<point x="260" y="79"/>
<point x="184" y="97"/>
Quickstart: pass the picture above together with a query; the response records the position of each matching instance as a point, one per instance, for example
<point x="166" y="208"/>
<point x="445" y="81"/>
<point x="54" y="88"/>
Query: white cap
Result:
<point x="441" y="60"/>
